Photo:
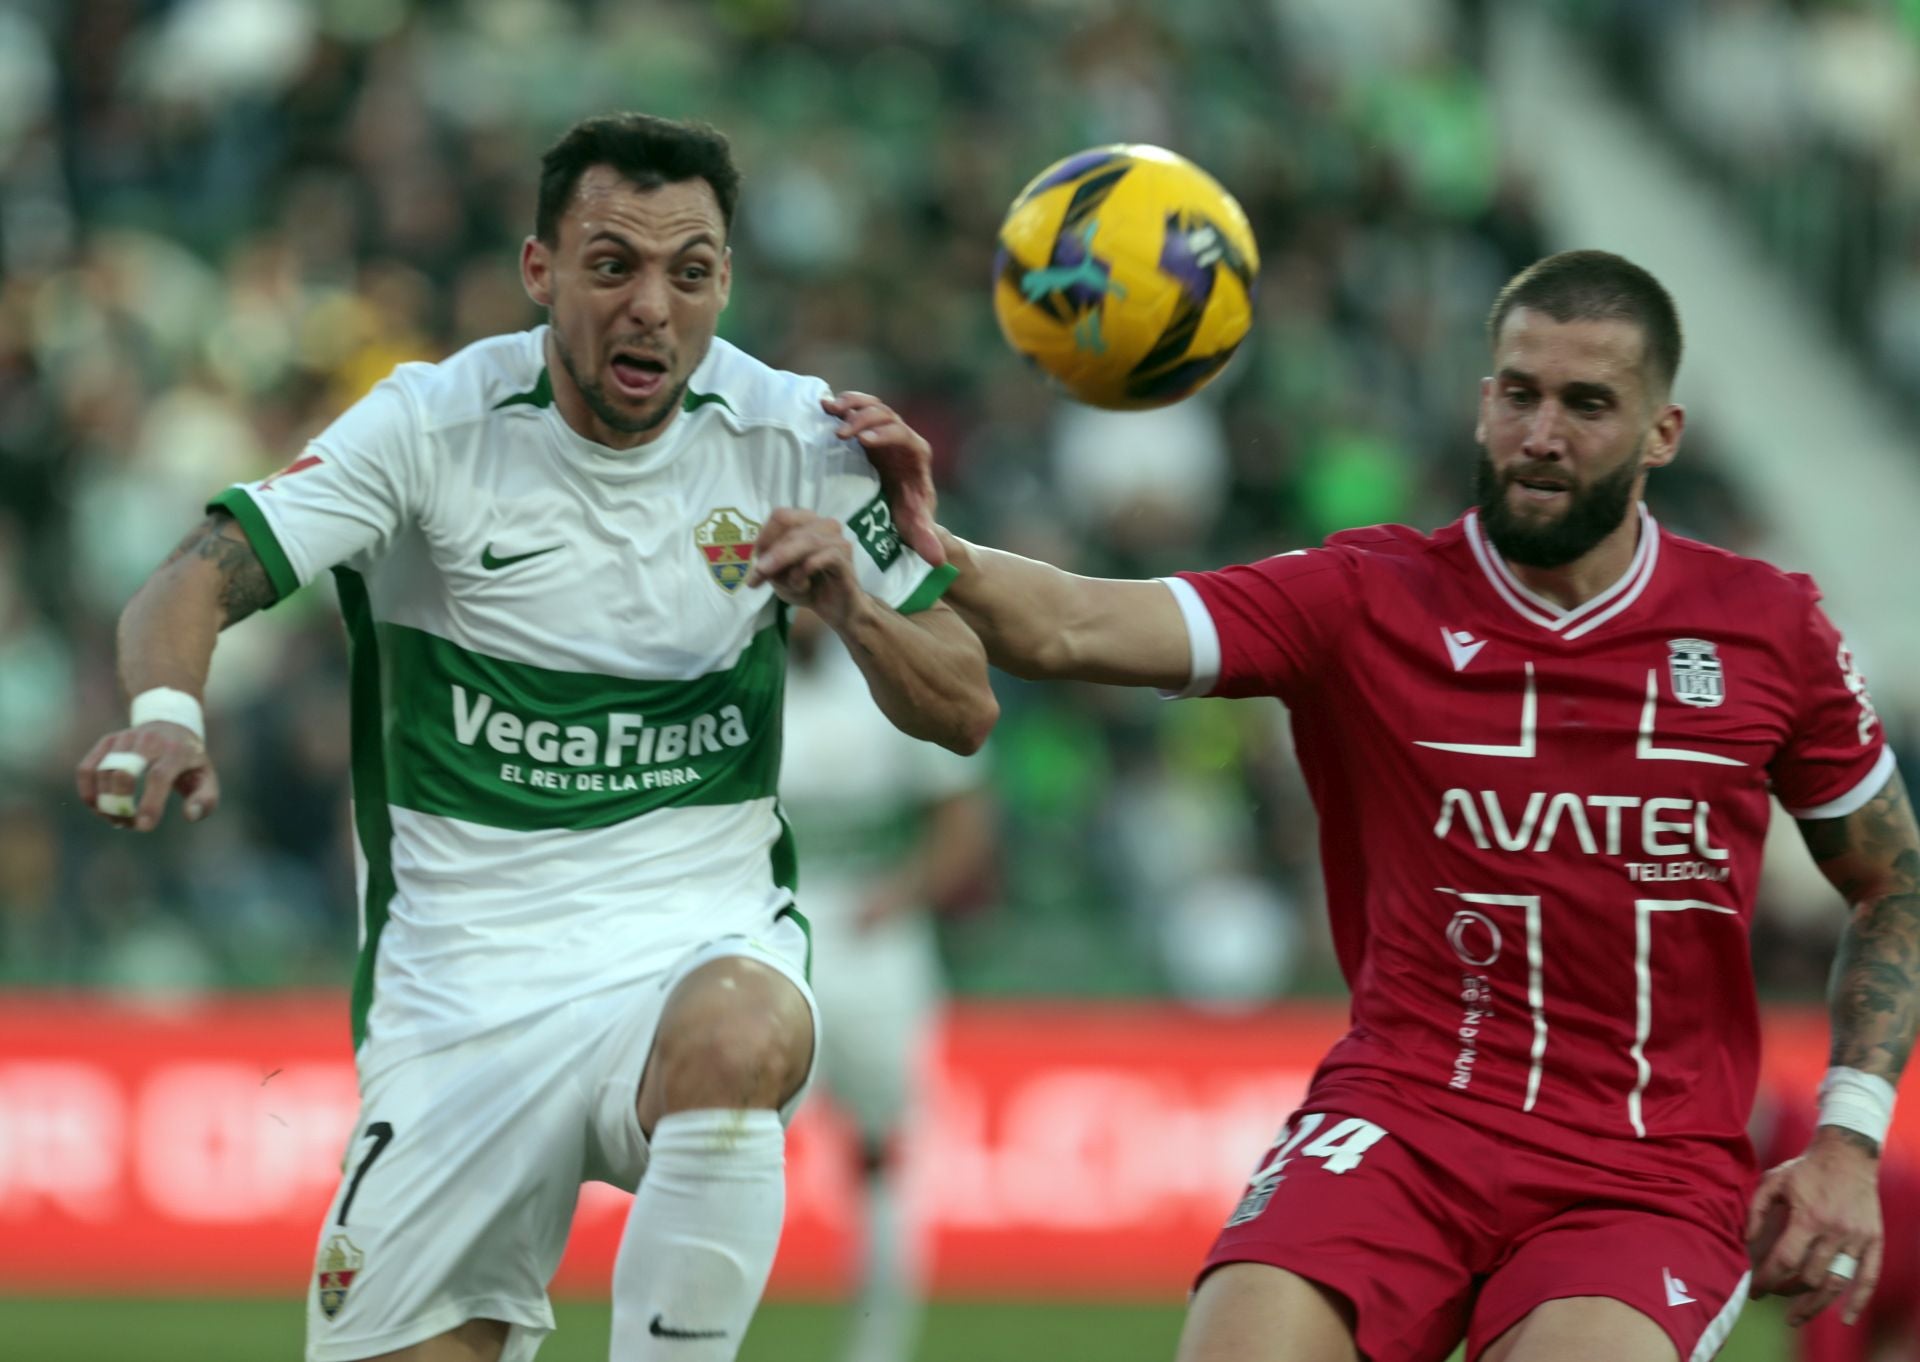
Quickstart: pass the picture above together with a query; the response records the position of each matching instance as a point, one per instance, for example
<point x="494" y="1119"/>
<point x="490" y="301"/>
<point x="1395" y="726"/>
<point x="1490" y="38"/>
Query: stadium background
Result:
<point x="222" y="220"/>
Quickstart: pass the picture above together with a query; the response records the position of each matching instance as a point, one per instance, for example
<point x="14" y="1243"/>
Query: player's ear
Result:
<point x="536" y="270"/>
<point x="1480" y="416"/>
<point x="1663" y="441"/>
<point x="726" y="276"/>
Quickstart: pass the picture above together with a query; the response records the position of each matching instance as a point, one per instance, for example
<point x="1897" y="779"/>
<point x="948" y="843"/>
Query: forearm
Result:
<point x="1019" y="608"/>
<point x="1875" y="996"/>
<point x="168" y="630"/>
<point x="930" y="682"/>
<point x="167" y="633"/>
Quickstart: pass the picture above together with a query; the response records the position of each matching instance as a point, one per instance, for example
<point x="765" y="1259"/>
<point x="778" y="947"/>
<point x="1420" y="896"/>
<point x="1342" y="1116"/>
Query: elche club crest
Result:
<point x="1693" y="665"/>
<point x="340" y="1263"/>
<point x="726" y="538"/>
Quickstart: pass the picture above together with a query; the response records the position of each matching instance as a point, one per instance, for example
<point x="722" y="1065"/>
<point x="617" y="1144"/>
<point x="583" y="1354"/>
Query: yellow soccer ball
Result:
<point x="1127" y="274"/>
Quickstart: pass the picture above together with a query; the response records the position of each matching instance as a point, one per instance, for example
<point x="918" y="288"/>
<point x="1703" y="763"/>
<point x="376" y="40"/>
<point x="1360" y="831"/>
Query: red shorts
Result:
<point x="1435" y="1228"/>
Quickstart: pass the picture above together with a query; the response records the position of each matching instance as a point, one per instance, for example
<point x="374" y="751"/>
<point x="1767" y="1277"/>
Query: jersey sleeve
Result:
<point x="1264" y="628"/>
<point x="887" y="568"/>
<point x="1836" y="757"/>
<point x="348" y="493"/>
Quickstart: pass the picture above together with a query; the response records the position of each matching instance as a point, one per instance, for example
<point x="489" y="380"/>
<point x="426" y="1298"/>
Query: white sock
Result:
<point x="886" y="1322"/>
<point x="700" y="1237"/>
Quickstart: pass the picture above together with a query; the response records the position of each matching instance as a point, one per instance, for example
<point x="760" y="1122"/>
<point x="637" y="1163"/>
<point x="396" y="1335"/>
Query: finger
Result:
<point x="859" y="424"/>
<point x="166" y="769"/>
<point x="778" y="557"/>
<point x="1764" y="1196"/>
<point x="1782" y="1263"/>
<point x="1812" y="1303"/>
<point x="1813" y="1271"/>
<point x="117" y="782"/>
<point x="199" y="791"/>
<point x="1864" y="1284"/>
<point x="885" y="433"/>
<point x="86" y="782"/>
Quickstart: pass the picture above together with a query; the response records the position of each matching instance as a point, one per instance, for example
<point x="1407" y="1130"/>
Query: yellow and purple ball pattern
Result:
<point x="1127" y="274"/>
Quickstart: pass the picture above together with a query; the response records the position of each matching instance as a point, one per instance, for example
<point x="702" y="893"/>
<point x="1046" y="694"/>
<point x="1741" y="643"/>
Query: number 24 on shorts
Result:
<point x="1340" y="1150"/>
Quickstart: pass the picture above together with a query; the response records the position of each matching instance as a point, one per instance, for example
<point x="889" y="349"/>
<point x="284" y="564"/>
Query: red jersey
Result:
<point x="1541" y="828"/>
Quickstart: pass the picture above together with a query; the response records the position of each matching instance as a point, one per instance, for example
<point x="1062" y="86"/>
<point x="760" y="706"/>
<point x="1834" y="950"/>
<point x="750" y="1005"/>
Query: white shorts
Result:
<point x="459" y="1186"/>
<point x="880" y="990"/>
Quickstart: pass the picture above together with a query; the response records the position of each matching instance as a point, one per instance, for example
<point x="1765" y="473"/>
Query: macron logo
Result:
<point x="1676" y="1289"/>
<point x="1461" y="647"/>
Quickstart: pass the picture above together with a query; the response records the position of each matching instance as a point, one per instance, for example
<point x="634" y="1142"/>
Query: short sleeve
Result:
<point x="1836" y="757"/>
<point x="1264" y="628"/>
<point x="850" y="493"/>
<point x="346" y="495"/>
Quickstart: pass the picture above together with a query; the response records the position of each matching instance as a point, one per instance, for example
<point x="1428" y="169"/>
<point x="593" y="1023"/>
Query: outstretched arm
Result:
<point x="1830" y="1194"/>
<point x="1048" y="625"/>
<point x="166" y="636"/>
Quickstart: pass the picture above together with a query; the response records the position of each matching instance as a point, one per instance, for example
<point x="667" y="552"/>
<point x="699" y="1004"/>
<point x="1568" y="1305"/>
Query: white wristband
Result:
<point x="1857" y="1101"/>
<point x="167" y="705"/>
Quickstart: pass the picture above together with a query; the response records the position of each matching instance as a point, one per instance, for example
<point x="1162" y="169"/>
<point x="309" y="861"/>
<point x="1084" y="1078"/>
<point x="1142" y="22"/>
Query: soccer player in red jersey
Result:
<point x="1541" y="743"/>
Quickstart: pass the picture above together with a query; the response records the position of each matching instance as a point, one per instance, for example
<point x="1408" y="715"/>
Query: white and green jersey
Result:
<point x="566" y="699"/>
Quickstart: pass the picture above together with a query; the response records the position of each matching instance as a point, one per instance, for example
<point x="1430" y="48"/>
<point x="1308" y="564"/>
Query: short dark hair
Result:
<point x="1597" y="286"/>
<point x="646" y="150"/>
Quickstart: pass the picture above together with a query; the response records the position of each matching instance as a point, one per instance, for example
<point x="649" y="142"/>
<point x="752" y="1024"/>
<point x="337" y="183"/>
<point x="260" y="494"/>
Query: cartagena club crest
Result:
<point x="726" y="538"/>
<point x="340" y="1263"/>
<point x="1693" y="664"/>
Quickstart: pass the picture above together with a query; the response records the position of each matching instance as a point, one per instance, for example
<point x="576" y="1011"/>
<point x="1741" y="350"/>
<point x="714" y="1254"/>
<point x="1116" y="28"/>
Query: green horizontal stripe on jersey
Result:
<point x="238" y="503"/>
<point x="931" y="589"/>
<point x="512" y="745"/>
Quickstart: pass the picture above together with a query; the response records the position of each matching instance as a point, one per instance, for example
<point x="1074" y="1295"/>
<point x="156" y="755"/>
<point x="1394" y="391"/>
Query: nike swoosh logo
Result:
<point x="1461" y="647"/>
<point x="490" y="562"/>
<point x="661" y="1329"/>
<point x="1676" y="1289"/>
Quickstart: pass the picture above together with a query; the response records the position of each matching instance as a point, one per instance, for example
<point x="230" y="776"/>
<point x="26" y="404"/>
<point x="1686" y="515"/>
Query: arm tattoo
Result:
<point x="244" y="585"/>
<point x="1873" y="857"/>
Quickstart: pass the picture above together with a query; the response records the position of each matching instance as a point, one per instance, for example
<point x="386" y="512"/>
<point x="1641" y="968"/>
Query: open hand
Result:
<point x="170" y="757"/>
<point x="904" y="461"/>
<point x="1811" y="1210"/>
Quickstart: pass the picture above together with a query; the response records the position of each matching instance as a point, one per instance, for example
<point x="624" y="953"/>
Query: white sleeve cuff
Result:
<point x="1857" y="797"/>
<point x="1203" y="641"/>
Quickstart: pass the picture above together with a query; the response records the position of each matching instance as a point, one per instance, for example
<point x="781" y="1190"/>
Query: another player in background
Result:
<point x="1888" y="1329"/>
<point x="1541" y="742"/>
<point x="890" y="830"/>
<point x="581" y="954"/>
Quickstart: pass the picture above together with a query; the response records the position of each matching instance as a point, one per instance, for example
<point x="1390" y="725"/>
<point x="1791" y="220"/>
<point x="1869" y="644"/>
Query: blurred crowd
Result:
<point x="225" y="219"/>
<point x="1808" y="112"/>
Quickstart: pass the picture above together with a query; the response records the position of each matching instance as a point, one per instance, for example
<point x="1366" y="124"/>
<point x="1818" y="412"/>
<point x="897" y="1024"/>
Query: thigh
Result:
<point x="1250" y="1312"/>
<point x="617" y="1148"/>
<point x="456" y="1195"/>
<point x="1657" y="1283"/>
<point x="1375" y="1218"/>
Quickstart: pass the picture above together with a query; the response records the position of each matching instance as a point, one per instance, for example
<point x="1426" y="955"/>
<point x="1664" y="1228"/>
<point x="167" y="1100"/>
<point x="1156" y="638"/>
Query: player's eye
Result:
<point x="1519" y="397"/>
<point x="695" y="274"/>
<point x="608" y="267"/>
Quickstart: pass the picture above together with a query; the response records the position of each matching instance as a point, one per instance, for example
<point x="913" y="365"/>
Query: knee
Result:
<point x="736" y="1034"/>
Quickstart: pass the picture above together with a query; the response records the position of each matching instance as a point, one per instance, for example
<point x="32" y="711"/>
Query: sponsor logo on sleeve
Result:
<point x="873" y="528"/>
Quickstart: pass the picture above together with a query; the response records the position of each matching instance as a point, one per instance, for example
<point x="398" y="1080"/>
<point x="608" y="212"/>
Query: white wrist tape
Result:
<point x="165" y="704"/>
<point x="1857" y="1101"/>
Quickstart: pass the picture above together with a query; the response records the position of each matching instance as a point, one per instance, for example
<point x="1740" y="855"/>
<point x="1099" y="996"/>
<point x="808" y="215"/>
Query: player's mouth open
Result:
<point x="638" y="376"/>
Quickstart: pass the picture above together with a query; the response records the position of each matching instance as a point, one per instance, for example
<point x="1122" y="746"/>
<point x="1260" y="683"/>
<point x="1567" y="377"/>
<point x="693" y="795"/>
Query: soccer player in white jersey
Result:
<point x="889" y="830"/>
<point x="1542" y="742"/>
<point x="581" y="954"/>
